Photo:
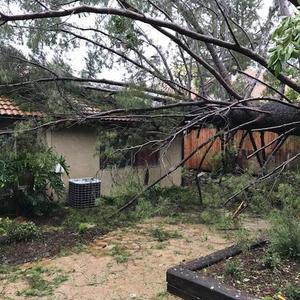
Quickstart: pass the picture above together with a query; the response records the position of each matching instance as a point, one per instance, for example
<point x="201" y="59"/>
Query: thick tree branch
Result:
<point x="152" y="21"/>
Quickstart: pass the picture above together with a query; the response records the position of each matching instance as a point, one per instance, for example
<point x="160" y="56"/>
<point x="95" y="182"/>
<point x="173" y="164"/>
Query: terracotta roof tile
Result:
<point x="8" y="108"/>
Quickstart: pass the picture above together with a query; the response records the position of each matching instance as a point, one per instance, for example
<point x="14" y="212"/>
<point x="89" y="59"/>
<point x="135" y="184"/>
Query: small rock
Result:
<point x="132" y="296"/>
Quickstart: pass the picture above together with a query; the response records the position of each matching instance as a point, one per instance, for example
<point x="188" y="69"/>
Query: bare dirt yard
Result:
<point x="128" y="263"/>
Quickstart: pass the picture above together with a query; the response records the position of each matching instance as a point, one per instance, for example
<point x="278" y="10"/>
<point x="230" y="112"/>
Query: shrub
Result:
<point x="210" y="216"/>
<point x="224" y="162"/>
<point x="4" y="225"/>
<point x="27" y="173"/>
<point x="22" y="231"/>
<point x="284" y="235"/>
<point x="292" y="292"/>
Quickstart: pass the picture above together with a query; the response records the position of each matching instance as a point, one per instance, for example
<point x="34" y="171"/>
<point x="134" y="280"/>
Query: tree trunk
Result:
<point x="276" y="120"/>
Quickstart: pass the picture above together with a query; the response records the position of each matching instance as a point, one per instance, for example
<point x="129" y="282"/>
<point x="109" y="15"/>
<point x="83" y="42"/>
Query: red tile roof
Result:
<point x="8" y="108"/>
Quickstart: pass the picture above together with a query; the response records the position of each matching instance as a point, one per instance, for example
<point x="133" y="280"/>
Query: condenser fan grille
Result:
<point x="83" y="192"/>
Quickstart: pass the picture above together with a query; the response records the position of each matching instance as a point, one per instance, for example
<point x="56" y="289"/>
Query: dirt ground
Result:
<point x="95" y="274"/>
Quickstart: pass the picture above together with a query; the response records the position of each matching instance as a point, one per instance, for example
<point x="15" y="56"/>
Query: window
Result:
<point x="146" y="157"/>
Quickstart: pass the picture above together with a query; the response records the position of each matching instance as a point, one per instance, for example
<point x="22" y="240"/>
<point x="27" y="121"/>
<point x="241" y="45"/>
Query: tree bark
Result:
<point x="279" y="119"/>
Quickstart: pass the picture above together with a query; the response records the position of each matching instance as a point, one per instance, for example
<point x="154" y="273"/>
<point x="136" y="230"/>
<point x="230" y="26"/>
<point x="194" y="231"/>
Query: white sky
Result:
<point x="158" y="38"/>
<point x="76" y="56"/>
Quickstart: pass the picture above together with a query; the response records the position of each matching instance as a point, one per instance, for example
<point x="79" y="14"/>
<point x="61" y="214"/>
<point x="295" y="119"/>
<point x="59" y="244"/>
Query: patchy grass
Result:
<point x="161" y="245"/>
<point x="163" y="295"/>
<point x="40" y="281"/>
<point x="162" y="235"/>
<point x="120" y="253"/>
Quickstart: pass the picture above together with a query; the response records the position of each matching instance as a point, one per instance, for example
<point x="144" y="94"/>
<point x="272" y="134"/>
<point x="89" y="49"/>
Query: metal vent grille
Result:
<point x="83" y="192"/>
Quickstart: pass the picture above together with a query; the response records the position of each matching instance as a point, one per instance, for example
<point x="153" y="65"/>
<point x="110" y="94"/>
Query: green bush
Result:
<point x="120" y="253"/>
<point x="27" y="174"/>
<point x="17" y="232"/>
<point x="284" y="235"/>
<point x="224" y="162"/>
<point x="292" y="292"/>
<point x="4" y="225"/>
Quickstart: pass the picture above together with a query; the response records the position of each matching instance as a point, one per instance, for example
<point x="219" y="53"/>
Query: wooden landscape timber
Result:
<point x="185" y="281"/>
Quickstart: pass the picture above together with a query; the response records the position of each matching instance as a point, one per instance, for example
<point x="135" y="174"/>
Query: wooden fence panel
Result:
<point x="196" y="138"/>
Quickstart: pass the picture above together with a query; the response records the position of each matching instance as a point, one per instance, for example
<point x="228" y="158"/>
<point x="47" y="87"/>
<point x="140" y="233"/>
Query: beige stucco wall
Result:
<point x="169" y="157"/>
<point x="78" y="144"/>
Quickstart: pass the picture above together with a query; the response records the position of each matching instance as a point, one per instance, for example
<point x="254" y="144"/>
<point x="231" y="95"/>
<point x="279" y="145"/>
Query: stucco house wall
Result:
<point x="171" y="157"/>
<point x="78" y="145"/>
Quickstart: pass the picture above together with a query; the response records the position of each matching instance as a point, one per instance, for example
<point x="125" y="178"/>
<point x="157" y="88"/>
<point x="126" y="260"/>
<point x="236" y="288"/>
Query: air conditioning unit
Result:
<point x="83" y="192"/>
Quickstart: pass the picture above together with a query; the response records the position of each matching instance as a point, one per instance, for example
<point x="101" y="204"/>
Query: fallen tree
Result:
<point x="198" y="76"/>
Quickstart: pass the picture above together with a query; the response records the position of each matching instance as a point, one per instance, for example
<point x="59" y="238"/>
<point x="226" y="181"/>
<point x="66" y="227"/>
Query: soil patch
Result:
<point x="50" y="244"/>
<point x="126" y="264"/>
<point x="129" y="263"/>
<point x="248" y="273"/>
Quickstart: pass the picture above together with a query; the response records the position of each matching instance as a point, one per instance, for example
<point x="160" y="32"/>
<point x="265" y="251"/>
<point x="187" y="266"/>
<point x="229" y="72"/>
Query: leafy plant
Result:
<point x="22" y="231"/>
<point x="243" y="239"/>
<point x="284" y="235"/>
<point x="270" y="260"/>
<point x="27" y="174"/>
<point x="286" y="43"/>
<point x="224" y="162"/>
<point x="83" y="227"/>
<point x="4" y="225"/>
<point x="292" y="292"/>
<point x="38" y="284"/>
<point x="232" y="268"/>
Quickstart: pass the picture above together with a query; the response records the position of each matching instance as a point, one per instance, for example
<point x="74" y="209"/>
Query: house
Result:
<point x="77" y="143"/>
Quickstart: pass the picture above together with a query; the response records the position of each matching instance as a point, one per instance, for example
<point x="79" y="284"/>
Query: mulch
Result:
<point x="48" y="245"/>
<point x="253" y="277"/>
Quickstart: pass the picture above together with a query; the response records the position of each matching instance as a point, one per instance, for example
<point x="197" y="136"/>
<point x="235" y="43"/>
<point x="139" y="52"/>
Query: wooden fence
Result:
<point x="195" y="138"/>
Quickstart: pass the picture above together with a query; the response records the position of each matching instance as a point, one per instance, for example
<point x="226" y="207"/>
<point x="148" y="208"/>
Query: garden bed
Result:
<point x="49" y="244"/>
<point x="233" y="274"/>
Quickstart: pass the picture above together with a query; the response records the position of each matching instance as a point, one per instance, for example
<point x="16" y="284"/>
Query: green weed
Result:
<point x="270" y="260"/>
<point x="162" y="295"/>
<point x="164" y="235"/>
<point x="120" y="253"/>
<point x="232" y="268"/>
<point x="83" y="227"/>
<point x="41" y="281"/>
<point x="161" y="245"/>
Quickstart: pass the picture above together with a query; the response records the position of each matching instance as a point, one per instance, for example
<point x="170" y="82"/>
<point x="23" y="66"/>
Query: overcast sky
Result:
<point x="117" y="74"/>
<point x="76" y="56"/>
